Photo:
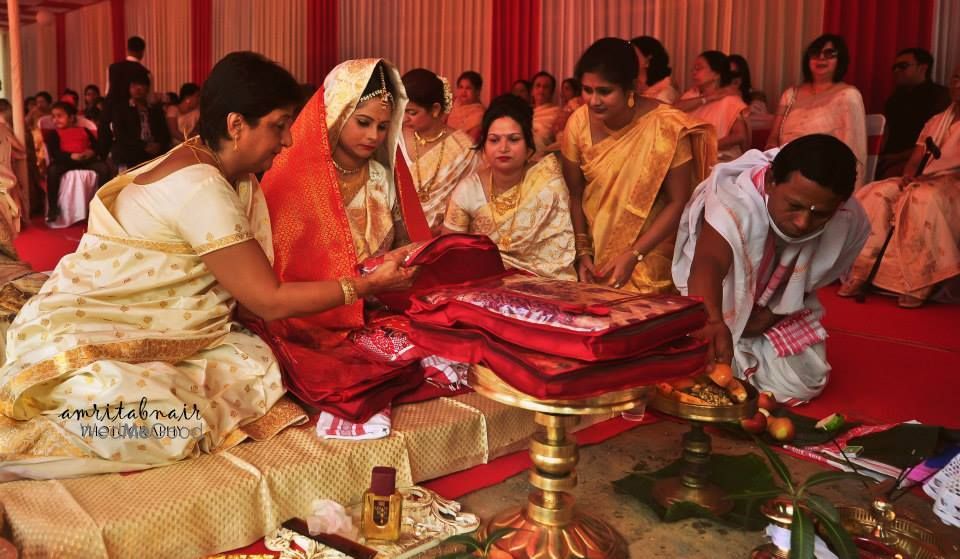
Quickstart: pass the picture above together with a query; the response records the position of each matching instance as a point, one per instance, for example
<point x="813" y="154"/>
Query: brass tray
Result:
<point x="912" y="539"/>
<point x="708" y="414"/>
<point x="487" y="383"/>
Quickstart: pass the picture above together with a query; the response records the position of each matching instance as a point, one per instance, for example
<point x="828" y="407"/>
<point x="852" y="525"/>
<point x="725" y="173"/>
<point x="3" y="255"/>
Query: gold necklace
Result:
<point x="343" y="170"/>
<point x="503" y="204"/>
<point x="423" y="190"/>
<point x="424" y="141"/>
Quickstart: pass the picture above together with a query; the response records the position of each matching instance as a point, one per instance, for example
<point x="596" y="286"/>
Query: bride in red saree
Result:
<point x="338" y="196"/>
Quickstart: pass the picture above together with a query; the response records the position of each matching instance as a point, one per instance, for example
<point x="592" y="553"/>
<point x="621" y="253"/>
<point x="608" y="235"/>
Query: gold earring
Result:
<point x="235" y="146"/>
<point x="631" y="101"/>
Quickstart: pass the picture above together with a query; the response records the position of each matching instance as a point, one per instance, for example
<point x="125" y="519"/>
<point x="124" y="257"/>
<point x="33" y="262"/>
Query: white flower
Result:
<point x="329" y="517"/>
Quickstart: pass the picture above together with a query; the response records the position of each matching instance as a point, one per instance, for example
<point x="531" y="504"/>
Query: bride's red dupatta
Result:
<point x="312" y="242"/>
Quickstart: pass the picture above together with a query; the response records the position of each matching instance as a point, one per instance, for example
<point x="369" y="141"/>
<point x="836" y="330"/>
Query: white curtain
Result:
<point x="946" y="40"/>
<point x="39" y="44"/>
<point x="275" y="28"/>
<point x="5" y="80"/>
<point x="440" y="35"/>
<point x="570" y="26"/>
<point x="165" y="26"/>
<point x="89" y="50"/>
<point x="770" y="35"/>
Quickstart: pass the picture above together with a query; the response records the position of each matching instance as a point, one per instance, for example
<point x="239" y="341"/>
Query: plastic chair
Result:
<point x="876" y="123"/>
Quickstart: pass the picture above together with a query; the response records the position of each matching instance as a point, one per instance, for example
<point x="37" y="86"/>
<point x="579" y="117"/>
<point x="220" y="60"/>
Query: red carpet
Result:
<point x="890" y="364"/>
<point x="42" y="247"/>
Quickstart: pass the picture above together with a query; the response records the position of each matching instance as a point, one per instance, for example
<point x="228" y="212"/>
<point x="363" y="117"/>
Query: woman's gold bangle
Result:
<point x="349" y="291"/>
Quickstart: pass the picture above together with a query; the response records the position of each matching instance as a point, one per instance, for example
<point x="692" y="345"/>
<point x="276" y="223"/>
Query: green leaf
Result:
<point x="838" y="537"/>
<point x="496" y="535"/>
<point x="822" y="507"/>
<point x="801" y="535"/>
<point x="820" y="478"/>
<point x="466" y="540"/>
<point x="777" y="464"/>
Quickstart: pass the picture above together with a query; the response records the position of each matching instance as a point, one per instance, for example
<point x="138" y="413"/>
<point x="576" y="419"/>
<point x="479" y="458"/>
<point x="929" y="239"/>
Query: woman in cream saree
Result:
<point x="530" y="219"/>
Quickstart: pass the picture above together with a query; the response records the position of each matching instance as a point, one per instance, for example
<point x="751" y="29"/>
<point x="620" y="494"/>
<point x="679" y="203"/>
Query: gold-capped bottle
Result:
<point x="382" y="506"/>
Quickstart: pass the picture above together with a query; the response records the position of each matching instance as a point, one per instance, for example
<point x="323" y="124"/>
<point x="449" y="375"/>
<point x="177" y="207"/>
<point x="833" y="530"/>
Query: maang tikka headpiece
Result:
<point x="385" y="96"/>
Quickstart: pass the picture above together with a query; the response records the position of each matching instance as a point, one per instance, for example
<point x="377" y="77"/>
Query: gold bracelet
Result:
<point x="583" y="252"/>
<point x="349" y="291"/>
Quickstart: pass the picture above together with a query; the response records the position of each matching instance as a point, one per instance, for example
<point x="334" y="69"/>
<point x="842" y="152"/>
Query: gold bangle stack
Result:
<point x="582" y="245"/>
<point x="349" y="291"/>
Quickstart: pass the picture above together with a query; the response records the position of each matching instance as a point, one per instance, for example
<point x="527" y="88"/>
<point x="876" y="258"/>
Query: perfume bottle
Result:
<point x="382" y="506"/>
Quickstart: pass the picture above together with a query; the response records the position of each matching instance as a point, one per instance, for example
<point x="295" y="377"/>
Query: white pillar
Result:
<point x="16" y="70"/>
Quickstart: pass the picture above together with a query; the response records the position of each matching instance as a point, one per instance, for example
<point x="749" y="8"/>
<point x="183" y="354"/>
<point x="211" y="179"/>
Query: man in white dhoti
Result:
<point x="756" y="241"/>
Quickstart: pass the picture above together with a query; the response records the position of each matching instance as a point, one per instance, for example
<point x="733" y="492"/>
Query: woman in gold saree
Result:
<point x="438" y="156"/>
<point x="467" y="109"/>
<point x="631" y="164"/>
<point x="128" y="358"/>
<point x="523" y="208"/>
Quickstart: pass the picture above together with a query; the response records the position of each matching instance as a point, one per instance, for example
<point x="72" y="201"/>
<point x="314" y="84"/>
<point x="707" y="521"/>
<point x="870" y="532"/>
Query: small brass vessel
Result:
<point x="692" y="485"/>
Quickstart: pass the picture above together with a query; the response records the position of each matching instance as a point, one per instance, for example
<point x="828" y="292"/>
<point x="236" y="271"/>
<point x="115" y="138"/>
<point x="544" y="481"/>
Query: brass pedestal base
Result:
<point x="672" y="490"/>
<point x="692" y="486"/>
<point x="583" y="537"/>
<point x="548" y="527"/>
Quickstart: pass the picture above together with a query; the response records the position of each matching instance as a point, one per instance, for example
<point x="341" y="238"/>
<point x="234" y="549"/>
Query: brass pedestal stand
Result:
<point x="548" y="527"/>
<point x="692" y="485"/>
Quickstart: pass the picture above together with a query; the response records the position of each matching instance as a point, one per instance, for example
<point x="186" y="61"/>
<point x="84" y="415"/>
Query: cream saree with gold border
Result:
<point x="139" y="320"/>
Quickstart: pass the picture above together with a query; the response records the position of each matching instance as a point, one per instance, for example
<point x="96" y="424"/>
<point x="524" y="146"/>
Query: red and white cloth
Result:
<point x="330" y="426"/>
<point x="445" y="373"/>
<point x="796" y="333"/>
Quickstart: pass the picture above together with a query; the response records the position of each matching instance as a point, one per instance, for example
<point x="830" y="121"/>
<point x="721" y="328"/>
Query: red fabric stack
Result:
<point x="560" y="339"/>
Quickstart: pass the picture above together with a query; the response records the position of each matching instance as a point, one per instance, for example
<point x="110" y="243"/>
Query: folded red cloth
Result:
<point x="445" y="260"/>
<point x="550" y="377"/>
<point x="581" y="321"/>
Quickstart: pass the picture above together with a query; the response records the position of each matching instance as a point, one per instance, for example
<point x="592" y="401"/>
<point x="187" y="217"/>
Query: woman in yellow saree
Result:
<point x="523" y="208"/>
<point x="631" y="164"/>
<point x="128" y="358"/>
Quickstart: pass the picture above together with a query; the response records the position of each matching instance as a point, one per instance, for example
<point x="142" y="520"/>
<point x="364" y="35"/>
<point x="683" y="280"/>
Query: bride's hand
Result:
<point x="399" y="255"/>
<point x="389" y="276"/>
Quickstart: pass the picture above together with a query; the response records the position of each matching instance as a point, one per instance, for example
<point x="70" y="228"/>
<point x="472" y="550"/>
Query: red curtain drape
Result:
<point x="875" y="30"/>
<point x="516" y="43"/>
<point x="61" y="25"/>
<point x="118" y="29"/>
<point x="201" y="39"/>
<point x="322" y="22"/>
